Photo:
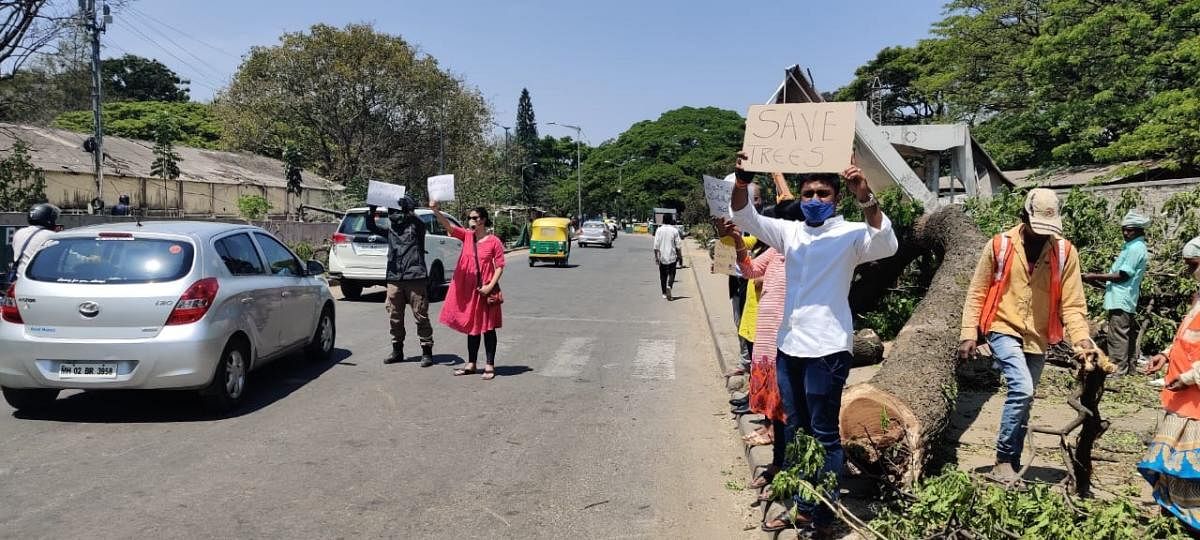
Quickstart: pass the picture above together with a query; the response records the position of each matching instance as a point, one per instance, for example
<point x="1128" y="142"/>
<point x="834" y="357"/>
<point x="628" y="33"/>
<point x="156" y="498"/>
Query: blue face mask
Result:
<point x="816" y="211"/>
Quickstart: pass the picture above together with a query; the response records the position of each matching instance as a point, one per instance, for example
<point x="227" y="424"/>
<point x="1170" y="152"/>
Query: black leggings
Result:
<point x="489" y="343"/>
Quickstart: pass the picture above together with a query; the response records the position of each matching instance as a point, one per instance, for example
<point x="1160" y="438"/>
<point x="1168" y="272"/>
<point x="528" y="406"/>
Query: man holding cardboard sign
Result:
<point x="817" y="333"/>
<point x="407" y="275"/>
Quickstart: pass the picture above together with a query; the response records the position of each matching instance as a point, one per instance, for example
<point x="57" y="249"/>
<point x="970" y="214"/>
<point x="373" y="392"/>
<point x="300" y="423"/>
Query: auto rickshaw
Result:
<point x="550" y="241"/>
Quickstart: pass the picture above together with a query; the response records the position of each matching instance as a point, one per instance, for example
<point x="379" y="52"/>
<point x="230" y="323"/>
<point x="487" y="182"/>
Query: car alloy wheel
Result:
<point x="235" y="374"/>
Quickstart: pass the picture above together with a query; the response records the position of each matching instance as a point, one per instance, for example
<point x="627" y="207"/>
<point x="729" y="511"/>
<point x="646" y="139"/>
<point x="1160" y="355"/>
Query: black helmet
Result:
<point x="44" y="215"/>
<point x="123" y="199"/>
<point x="407" y="204"/>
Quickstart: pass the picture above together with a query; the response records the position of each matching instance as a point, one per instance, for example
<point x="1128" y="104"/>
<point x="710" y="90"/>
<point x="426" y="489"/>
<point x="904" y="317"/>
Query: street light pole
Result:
<point x="578" y="167"/>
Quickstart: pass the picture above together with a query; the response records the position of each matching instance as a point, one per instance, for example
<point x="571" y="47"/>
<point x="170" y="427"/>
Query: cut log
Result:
<point x="892" y="418"/>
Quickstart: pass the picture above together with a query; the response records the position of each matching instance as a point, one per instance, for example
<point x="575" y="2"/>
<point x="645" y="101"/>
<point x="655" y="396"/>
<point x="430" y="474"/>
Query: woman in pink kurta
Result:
<point x="476" y="275"/>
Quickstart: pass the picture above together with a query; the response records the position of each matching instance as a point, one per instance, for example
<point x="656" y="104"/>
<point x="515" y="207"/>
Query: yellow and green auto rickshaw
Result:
<point x="550" y="241"/>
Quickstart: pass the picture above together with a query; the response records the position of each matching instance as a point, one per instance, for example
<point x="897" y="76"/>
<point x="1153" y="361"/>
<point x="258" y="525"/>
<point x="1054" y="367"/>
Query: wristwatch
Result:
<point x="871" y="201"/>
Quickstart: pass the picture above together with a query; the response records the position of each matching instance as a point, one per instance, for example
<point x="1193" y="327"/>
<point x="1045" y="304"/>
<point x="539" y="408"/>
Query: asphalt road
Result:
<point x="606" y="421"/>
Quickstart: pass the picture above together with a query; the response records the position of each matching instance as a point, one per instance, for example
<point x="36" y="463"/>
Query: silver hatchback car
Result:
<point x="179" y="305"/>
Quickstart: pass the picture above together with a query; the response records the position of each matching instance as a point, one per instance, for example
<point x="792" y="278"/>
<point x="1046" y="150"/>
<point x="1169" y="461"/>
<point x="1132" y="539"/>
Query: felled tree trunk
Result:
<point x="891" y="419"/>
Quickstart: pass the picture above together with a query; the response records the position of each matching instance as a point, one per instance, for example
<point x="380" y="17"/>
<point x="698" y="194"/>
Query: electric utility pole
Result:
<point x="95" y="27"/>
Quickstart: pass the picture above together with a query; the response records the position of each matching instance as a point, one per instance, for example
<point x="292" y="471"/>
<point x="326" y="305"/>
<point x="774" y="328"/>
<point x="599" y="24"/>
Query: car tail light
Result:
<point x="339" y="238"/>
<point x="8" y="306"/>
<point x="194" y="303"/>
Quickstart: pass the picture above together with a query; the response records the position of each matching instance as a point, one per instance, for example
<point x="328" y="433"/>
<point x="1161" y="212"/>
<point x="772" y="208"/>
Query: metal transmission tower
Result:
<point x="96" y="26"/>
<point x="875" y="101"/>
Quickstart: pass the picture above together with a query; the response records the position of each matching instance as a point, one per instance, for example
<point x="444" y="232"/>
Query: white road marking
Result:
<point x="655" y="360"/>
<point x="570" y="358"/>
<point x="585" y="320"/>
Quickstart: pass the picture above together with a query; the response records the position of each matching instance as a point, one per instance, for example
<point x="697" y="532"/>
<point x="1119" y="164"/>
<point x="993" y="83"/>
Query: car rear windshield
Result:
<point x="111" y="260"/>
<point x="356" y="223"/>
<point x="593" y="225"/>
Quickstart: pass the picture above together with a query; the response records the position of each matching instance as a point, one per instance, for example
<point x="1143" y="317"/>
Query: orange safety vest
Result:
<point x="1002" y="251"/>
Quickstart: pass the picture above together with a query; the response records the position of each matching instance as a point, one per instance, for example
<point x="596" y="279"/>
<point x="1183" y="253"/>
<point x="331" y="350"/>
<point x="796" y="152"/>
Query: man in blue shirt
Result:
<point x="1122" y="286"/>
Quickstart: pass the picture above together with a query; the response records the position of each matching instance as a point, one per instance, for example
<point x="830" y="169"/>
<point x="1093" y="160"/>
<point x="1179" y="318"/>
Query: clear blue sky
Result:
<point x="600" y="65"/>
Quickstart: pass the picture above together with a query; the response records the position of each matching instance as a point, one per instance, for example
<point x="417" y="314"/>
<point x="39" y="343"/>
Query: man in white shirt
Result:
<point x="667" y="244"/>
<point x="43" y="222"/>
<point x="817" y="333"/>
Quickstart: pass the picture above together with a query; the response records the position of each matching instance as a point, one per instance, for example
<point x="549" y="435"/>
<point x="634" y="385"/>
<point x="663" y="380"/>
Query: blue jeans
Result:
<point x="811" y="391"/>
<point x="1021" y="372"/>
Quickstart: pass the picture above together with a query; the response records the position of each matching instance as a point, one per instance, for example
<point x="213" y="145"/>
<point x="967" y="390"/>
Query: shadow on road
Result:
<point x="554" y="267"/>
<point x="511" y="371"/>
<point x="266" y="386"/>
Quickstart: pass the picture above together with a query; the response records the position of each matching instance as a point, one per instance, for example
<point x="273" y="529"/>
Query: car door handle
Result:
<point x="443" y="242"/>
<point x="248" y="300"/>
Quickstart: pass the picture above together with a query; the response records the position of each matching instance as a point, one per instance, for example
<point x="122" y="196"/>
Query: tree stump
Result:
<point x="891" y="419"/>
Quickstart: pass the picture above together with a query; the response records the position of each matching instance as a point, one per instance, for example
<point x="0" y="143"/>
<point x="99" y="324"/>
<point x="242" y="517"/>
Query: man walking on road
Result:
<point x="667" y="246"/>
<point x="1026" y="286"/>
<point x="1122" y="287"/>
<point x="817" y="333"/>
<point x="407" y="277"/>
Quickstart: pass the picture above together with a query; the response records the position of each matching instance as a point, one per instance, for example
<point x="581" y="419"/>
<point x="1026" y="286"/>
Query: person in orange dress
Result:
<point x="1172" y="462"/>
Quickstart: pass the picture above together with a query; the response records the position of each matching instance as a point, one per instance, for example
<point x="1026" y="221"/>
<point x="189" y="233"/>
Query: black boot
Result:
<point x="397" y="354"/>
<point x="426" y="355"/>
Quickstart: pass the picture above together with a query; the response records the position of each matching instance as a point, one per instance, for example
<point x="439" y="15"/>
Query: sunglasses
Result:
<point x="472" y="218"/>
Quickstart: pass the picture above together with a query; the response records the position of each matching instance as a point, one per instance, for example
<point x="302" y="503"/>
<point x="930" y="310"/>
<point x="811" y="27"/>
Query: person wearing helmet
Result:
<point x="122" y="207"/>
<point x="407" y="277"/>
<point x="43" y="223"/>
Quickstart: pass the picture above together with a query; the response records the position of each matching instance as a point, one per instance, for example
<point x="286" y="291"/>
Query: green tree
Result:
<point x="664" y="160"/>
<point x="21" y="183"/>
<point x="197" y="125"/>
<point x="907" y="76"/>
<point x="135" y="78"/>
<point x="50" y="84"/>
<point x="356" y="103"/>
<point x="527" y="131"/>
<point x="166" y="160"/>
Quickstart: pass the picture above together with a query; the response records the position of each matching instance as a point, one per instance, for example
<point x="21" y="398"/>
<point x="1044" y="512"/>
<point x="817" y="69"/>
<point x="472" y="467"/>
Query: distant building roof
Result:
<point x="62" y="150"/>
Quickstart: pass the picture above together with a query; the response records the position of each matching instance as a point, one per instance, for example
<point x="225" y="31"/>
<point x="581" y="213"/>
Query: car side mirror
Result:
<point x="314" y="268"/>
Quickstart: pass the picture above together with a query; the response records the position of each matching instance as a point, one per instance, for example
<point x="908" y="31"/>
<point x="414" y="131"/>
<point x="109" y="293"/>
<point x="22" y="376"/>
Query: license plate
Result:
<point x="87" y="370"/>
<point x="370" y="249"/>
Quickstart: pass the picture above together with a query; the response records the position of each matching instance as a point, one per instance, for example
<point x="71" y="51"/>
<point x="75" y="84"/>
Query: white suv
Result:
<point x="358" y="257"/>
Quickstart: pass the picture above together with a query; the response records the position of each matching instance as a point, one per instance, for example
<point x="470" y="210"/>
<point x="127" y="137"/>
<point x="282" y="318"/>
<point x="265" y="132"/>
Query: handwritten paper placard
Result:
<point x="441" y="188"/>
<point x="799" y="137"/>
<point x="718" y="192"/>
<point x="725" y="258"/>
<point x="384" y="195"/>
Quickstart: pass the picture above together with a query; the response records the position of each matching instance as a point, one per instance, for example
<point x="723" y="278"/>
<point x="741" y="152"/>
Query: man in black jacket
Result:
<point x="407" y="277"/>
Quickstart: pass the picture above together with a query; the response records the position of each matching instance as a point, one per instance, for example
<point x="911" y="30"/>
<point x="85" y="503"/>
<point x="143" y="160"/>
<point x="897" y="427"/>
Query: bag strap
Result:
<point x="478" y="271"/>
<point x="21" y="254"/>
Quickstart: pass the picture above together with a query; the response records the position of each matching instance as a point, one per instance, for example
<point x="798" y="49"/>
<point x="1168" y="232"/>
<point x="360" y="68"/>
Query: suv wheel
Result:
<point x="30" y="399"/>
<point x="228" y="385"/>
<point x="351" y="290"/>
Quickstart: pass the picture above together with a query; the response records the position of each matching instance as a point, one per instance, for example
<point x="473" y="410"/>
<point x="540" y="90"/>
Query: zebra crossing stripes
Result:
<point x="570" y="358"/>
<point x="655" y="360"/>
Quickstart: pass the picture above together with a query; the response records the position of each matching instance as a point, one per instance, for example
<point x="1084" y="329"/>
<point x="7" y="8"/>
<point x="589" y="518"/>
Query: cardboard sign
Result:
<point x="441" y="188"/>
<point x="800" y="137"/>
<point x="384" y="195"/>
<point x="725" y="258"/>
<point x="718" y="192"/>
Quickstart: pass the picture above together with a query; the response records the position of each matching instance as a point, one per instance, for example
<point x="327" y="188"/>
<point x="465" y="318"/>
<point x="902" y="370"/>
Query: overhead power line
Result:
<point x="194" y="69"/>
<point x="215" y="70"/>
<point x="183" y="33"/>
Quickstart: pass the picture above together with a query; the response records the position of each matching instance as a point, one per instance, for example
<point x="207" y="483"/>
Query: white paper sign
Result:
<point x="441" y="188"/>
<point x="384" y="195"/>
<point x="718" y="192"/>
